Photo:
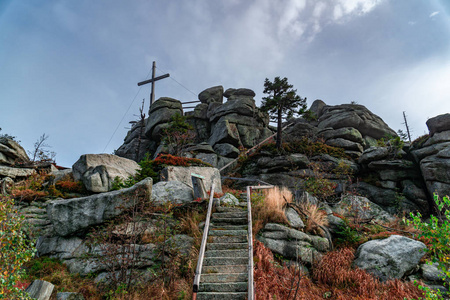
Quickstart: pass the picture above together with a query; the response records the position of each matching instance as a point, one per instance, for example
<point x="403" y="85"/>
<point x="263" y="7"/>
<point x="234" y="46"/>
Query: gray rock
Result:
<point x="229" y="199"/>
<point x="436" y="172"/>
<point x="226" y="150"/>
<point x="293" y="218"/>
<point x="11" y="152"/>
<point x="393" y="164"/>
<point x="69" y="296"/>
<point x="180" y="243"/>
<point x="356" y="116"/>
<point x="301" y="129"/>
<point x="362" y="208"/>
<point x="213" y="94"/>
<point x="437" y="138"/>
<point x="209" y="158"/>
<point x="201" y="111"/>
<point x="6" y="185"/>
<point x="172" y="191"/>
<point x="72" y="215"/>
<point x="346" y="144"/>
<point x="60" y="247"/>
<point x="224" y="132"/>
<point x="383" y="197"/>
<point x="245" y="106"/>
<point x="439" y="123"/>
<point x="282" y="232"/>
<point x="320" y="243"/>
<point x="40" y="290"/>
<point x="317" y="107"/>
<point x="300" y="250"/>
<point x="13" y="173"/>
<point x="421" y="153"/>
<point x="160" y="113"/>
<point x="390" y="258"/>
<point x="346" y="133"/>
<point x="97" y="171"/>
<point x="165" y="102"/>
<point x="431" y="272"/>
<point x="183" y="174"/>
<point x="373" y="154"/>
<point x="239" y="92"/>
<point x="61" y="174"/>
<point x="202" y="147"/>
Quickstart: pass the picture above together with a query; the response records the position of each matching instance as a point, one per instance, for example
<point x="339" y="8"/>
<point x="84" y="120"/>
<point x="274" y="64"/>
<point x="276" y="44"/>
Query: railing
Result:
<point x="251" y="288"/>
<point x="198" y="270"/>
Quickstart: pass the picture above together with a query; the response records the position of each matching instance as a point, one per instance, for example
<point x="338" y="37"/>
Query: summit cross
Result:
<point x="152" y="81"/>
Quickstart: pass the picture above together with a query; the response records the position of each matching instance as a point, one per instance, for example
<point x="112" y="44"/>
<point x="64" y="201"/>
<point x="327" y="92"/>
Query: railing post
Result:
<point x="251" y="293"/>
<point x="201" y="254"/>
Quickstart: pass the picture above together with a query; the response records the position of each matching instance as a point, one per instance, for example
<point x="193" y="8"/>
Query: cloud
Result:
<point x="434" y="14"/>
<point x="411" y="23"/>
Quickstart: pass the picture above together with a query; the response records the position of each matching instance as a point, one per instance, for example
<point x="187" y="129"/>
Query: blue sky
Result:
<point x="70" y="68"/>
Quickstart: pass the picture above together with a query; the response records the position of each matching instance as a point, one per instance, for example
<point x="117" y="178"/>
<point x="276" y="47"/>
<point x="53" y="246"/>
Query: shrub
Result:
<point x="437" y="232"/>
<point x="316" y="218"/>
<point x="15" y="249"/>
<point x="179" y="134"/>
<point x="70" y="186"/>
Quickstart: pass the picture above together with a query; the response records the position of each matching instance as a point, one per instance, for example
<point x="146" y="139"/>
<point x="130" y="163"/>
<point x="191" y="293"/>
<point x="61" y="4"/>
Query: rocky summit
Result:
<point x="326" y="214"/>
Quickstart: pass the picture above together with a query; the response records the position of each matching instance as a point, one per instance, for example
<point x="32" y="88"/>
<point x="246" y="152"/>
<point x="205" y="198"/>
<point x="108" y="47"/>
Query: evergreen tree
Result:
<point x="282" y="102"/>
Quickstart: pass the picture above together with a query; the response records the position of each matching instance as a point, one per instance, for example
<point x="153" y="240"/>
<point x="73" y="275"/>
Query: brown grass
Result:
<point x="333" y="278"/>
<point x="268" y="206"/>
<point x="316" y="218"/>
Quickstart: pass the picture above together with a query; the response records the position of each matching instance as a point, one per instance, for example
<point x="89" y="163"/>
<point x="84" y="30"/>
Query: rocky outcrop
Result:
<point x="12" y="153"/>
<point x="98" y="171"/>
<point x="390" y="258"/>
<point x="433" y="156"/>
<point x="175" y="192"/>
<point x="213" y="94"/>
<point x="69" y="216"/>
<point x="159" y="115"/>
<point x="293" y="244"/>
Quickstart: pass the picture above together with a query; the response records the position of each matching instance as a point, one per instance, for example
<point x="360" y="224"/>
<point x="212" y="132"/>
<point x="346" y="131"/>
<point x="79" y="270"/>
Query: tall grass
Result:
<point x="268" y="207"/>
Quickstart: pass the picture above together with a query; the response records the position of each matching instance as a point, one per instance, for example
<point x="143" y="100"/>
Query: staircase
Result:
<point x="224" y="273"/>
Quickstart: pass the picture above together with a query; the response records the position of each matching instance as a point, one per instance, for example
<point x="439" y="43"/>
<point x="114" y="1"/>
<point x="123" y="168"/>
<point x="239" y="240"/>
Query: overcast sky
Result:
<point x="70" y="68"/>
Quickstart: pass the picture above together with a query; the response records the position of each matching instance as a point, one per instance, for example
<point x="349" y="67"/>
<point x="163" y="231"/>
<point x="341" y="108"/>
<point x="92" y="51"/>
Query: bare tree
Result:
<point x="41" y="152"/>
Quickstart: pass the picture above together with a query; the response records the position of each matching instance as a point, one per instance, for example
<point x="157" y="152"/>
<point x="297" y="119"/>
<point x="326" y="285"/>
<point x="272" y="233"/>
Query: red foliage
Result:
<point x="170" y="160"/>
<point x="28" y="195"/>
<point x="22" y="285"/>
<point x="69" y="186"/>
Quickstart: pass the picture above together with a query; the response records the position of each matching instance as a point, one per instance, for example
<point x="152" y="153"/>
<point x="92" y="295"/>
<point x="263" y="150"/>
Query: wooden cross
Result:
<point x="152" y="94"/>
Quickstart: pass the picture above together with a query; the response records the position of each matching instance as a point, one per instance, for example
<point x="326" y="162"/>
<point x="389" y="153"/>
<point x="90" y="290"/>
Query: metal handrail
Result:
<point x="251" y="287"/>
<point x="201" y="254"/>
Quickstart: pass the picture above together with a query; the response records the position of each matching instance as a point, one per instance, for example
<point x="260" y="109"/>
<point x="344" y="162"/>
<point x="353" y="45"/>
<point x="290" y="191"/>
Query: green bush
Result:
<point x="436" y="231"/>
<point x="16" y="250"/>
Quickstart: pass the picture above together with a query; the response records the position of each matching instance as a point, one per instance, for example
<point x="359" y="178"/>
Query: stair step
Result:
<point x="224" y="261"/>
<point x="224" y="287"/>
<point x="243" y="214"/>
<point x="229" y="239"/>
<point x="213" y="232"/>
<point x="227" y="246"/>
<point x="223" y="277"/>
<point x="221" y="296"/>
<point x="228" y="227"/>
<point x="222" y="209"/>
<point x="227" y="253"/>
<point x="230" y="221"/>
<point x="224" y="269"/>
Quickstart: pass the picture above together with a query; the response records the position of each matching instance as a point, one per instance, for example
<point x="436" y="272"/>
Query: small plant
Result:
<point x="16" y="250"/>
<point x="316" y="218"/>
<point x="437" y="232"/>
<point x="317" y="185"/>
<point x="179" y="134"/>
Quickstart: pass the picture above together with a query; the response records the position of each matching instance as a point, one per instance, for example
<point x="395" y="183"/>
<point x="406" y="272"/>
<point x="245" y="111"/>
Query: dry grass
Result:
<point x="268" y="207"/>
<point x="316" y="218"/>
<point x="333" y="278"/>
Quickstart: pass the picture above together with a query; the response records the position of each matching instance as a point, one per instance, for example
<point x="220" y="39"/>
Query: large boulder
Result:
<point x="97" y="171"/>
<point x="355" y="116"/>
<point x="390" y="258"/>
<point x="175" y="192"/>
<point x="11" y="152"/>
<point x="438" y="124"/>
<point x="40" y="290"/>
<point x="13" y="173"/>
<point x="160" y="114"/>
<point x="213" y="94"/>
<point x="69" y="216"/>
<point x="183" y="174"/>
<point x="436" y="172"/>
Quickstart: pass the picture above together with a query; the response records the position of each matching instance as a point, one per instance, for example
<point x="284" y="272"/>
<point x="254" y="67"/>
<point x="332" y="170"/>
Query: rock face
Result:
<point x="183" y="174"/>
<point x="174" y="191"/>
<point x="292" y="243"/>
<point x="97" y="171"/>
<point x="40" y="289"/>
<point x="72" y="215"/>
<point x="390" y="258"/>
<point x="11" y="152"/>
<point x="213" y="94"/>
<point x="159" y="115"/>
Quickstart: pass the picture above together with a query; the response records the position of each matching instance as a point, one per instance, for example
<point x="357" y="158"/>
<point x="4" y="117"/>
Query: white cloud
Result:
<point x="434" y="14"/>
<point x="411" y="23"/>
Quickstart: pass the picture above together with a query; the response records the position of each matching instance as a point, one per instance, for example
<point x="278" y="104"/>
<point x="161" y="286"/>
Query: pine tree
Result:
<point x="282" y="102"/>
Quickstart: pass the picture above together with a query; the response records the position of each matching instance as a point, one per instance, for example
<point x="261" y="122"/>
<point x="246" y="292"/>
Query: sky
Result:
<point x="70" y="69"/>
